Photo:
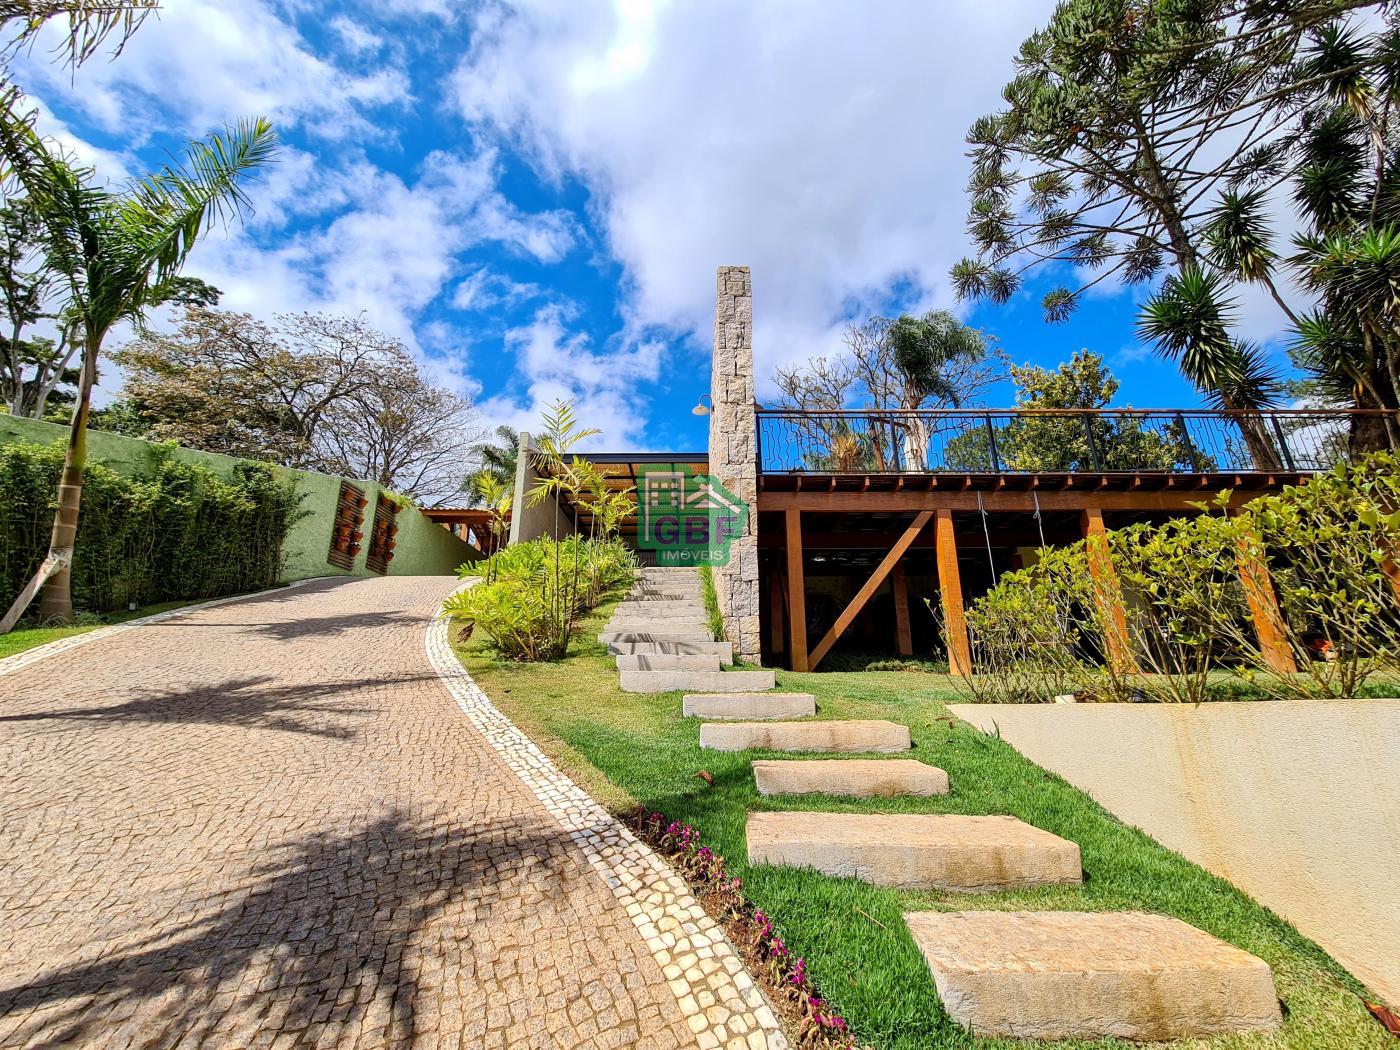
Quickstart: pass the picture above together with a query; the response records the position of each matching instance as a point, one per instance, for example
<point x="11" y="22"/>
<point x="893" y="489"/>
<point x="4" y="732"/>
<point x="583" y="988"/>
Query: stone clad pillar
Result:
<point x="733" y="452"/>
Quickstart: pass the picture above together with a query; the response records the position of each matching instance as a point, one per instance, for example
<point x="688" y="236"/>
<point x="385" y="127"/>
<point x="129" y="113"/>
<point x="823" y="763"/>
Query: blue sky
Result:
<point x="535" y="196"/>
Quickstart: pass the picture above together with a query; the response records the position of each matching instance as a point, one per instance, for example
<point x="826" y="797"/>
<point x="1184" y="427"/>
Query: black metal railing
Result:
<point x="1054" y="441"/>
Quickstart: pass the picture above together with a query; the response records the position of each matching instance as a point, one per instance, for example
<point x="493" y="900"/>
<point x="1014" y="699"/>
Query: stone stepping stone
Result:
<point x="856" y="777"/>
<point x="668" y="662"/>
<point x="659" y="608"/>
<point x="748" y="705"/>
<point x="641" y="623"/>
<point x="1078" y="975"/>
<point x="871" y="735"/>
<point x="724" y="650"/>
<point x="916" y="850"/>
<point x="709" y="681"/>
<point x="657" y="634"/>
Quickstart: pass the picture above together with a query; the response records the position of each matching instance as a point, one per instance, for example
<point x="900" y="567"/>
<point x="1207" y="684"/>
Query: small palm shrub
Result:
<point x="538" y="590"/>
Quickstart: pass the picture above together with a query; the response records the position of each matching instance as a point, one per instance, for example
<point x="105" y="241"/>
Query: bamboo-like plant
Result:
<point x="117" y="253"/>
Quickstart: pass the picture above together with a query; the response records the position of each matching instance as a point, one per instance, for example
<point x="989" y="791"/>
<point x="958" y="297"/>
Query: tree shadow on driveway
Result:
<point x="337" y="934"/>
<point x="255" y="702"/>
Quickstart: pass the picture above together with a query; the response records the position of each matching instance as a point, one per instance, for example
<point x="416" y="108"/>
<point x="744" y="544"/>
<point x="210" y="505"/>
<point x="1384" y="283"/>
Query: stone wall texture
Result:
<point x="732" y="452"/>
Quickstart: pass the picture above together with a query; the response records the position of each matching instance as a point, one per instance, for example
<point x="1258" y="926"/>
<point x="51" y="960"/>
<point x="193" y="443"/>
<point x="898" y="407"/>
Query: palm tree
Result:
<point x="497" y="457"/>
<point x="923" y="348"/>
<point x="116" y="253"/>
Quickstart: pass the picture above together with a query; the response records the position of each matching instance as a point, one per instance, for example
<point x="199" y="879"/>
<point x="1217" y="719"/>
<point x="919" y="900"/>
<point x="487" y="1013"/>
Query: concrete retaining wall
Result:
<point x="1297" y="804"/>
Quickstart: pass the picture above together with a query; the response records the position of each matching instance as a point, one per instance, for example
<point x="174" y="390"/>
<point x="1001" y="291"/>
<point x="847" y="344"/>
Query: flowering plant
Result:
<point x="783" y="974"/>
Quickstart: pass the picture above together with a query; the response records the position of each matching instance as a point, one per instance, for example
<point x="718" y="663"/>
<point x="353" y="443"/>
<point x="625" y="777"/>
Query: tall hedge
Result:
<point x="180" y="532"/>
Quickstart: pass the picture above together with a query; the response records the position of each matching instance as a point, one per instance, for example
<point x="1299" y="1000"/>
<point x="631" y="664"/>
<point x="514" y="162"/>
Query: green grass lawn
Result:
<point x="627" y="749"/>
<point x="22" y="637"/>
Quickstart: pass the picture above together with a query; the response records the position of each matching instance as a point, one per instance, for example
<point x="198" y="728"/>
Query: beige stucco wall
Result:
<point x="1298" y="804"/>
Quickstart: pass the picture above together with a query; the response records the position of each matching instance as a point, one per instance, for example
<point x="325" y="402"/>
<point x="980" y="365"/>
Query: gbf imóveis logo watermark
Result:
<point x="687" y="519"/>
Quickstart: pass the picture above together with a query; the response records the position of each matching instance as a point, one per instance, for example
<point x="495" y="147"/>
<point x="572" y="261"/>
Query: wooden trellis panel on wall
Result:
<point x="382" y="535"/>
<point x="347" y="532"/>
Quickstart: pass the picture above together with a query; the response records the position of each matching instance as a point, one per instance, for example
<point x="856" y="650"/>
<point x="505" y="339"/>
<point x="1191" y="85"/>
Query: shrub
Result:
<point x="537" y="591"/>
<point x="1182" y="601"/>
<point x="181" y="532"/>
<point x="1328" y="544"/>
<point x="1036" y="633"/>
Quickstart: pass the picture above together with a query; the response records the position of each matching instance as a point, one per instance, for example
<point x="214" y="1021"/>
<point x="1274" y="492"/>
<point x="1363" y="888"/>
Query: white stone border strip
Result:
<point x="720" y="1001"/>
<point x="19" y="661"/>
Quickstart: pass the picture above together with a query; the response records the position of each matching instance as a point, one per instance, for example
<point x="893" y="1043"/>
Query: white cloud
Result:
<point x="201" y="63"/>
<point x="356" y="38"/>
<point x="386" y="247"/>
<point x="484" y="288"/>
<point x="825" y="154"/>
<point x="608" y="388"/>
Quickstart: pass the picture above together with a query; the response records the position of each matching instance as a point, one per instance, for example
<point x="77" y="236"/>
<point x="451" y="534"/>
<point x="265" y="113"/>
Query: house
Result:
<point x="875" y="528"/>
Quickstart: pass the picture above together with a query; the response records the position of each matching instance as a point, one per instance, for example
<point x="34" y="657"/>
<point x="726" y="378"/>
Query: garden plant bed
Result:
<point x="629" y="750"/>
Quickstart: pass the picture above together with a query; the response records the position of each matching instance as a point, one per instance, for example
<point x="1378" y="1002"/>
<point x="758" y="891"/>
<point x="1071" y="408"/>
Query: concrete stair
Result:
<point x="710" y="681"/>
<point x="724" y="650"/>
<point x="853" y="777"/>
<point x="655" y="634"/>
<point x="854" y="736"/>
<point x="668" y="662"/>
<point x="916" y="850"/>
<point x="748" y="705"/>
<point x="1075" y="975"/>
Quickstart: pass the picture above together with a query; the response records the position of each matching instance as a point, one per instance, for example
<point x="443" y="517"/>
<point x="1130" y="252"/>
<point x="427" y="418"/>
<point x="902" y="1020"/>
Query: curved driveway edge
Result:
<point x="722" y="1004"/>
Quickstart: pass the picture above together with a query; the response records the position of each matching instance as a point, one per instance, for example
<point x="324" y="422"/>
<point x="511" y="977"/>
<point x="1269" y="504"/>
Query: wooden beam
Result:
<point x="950" y="591"/>
<point x="1107" y="593"/>
<point x="1262" y="599"/>
<point x="912" y="502"/>
<point x="863" y="595"/>
<point x="797" y="594"/>
<point x="902" y="633"/>
<point x="775" y="610"/>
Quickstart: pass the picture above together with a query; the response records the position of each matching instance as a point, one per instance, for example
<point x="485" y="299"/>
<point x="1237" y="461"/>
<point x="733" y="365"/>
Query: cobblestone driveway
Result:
<point x="267" y="824"/>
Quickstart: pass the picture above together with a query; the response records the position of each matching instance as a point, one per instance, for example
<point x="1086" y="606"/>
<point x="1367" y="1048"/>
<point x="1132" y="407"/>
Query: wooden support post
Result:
<point x="1392" y="573"/>
<point x="901" y="611"/>
<point x="863" y="595"/>
<point x="1262" y="599"/>
<point x="950" y="590"/>
<point x="1107" y="592"/>
<point x="775" y="610"/>
<point x="797" y="592"/>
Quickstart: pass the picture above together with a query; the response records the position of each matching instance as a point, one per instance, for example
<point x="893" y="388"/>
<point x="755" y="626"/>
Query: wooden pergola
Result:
<point x="890" y="515"/>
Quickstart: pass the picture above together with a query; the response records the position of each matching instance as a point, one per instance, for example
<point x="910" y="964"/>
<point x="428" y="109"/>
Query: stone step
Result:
<point x="748" y="705"/>
<point x="668" y="662"/>
<point x="710" y="681"/>
<point x="659" y="608"/>
<point x="724" y="650"/>
<point x="691" y="594"/>
<point x="872" y="735"/>
<point x="916" y="850"/>
<point x="856" y="777"/>
<point x="656" y="634"/>
<point x="1078" y="975"/>
<point x="641" y="623"/>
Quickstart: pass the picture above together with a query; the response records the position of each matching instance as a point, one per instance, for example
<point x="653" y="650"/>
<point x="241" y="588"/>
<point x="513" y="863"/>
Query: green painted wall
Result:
<point x="424" y="549"/>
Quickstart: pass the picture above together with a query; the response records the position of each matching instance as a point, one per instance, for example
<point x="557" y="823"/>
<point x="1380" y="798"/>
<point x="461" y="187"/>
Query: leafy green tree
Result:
<point x="116" y="253"/>
<point x="1082" y="441"/>
<point x="1143" y="139"/>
